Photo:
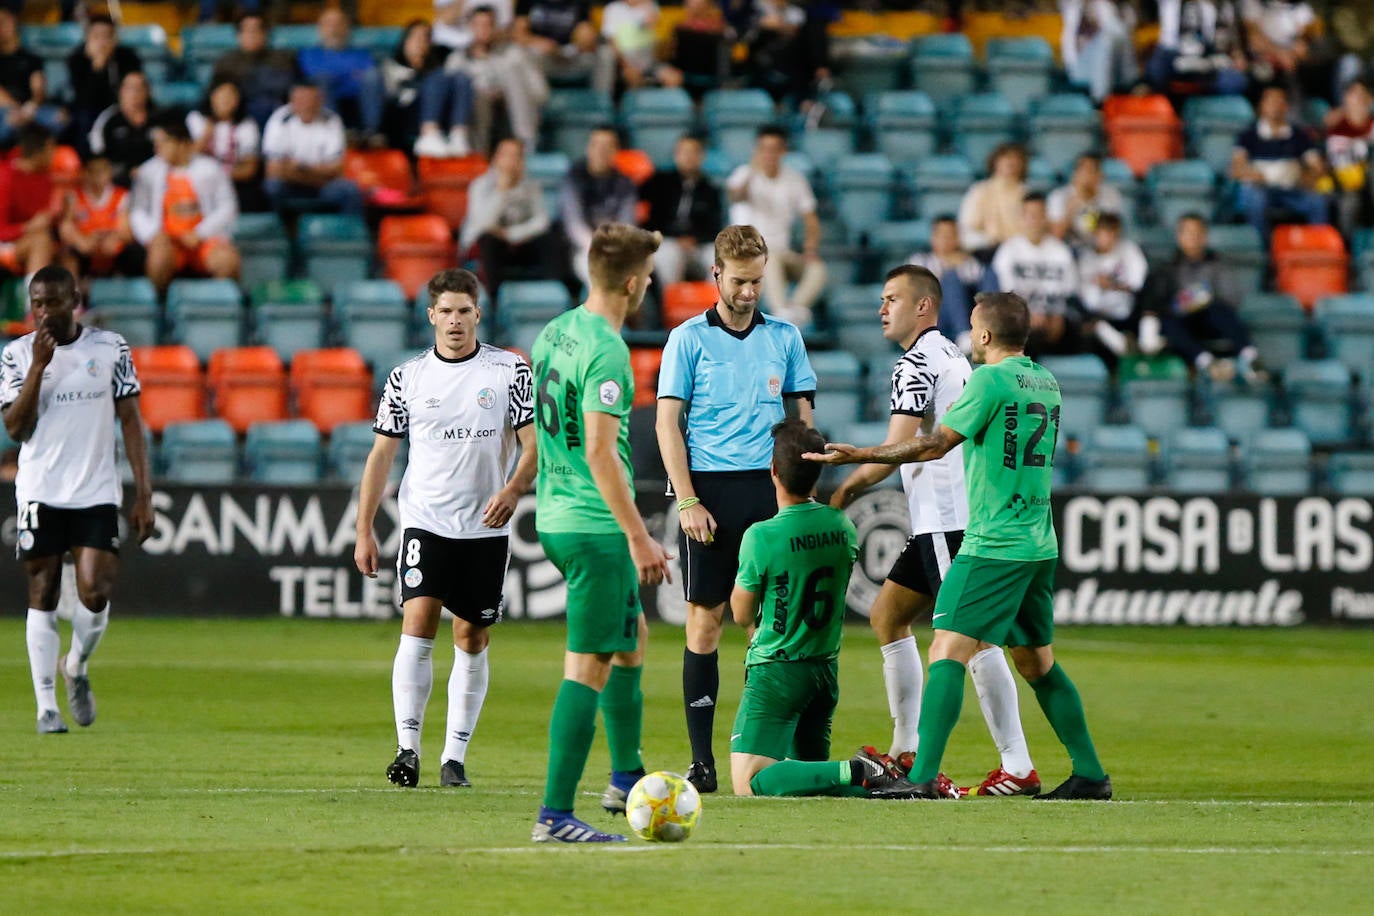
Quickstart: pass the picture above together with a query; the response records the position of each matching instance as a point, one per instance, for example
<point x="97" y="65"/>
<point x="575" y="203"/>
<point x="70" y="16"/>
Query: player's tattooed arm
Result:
<point x="922" y="448"/>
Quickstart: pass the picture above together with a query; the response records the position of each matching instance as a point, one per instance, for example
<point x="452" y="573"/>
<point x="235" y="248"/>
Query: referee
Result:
<point x="734" y="372"/>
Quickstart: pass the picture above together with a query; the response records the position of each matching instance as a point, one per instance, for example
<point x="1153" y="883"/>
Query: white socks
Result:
<point x="902" y="675"/>
<point x="467" y="688"/>
<point x="412" y="676"/>
<point x="40" y="632"/>
<point x="1001" y="708"/>
<point x="87" y="628"/>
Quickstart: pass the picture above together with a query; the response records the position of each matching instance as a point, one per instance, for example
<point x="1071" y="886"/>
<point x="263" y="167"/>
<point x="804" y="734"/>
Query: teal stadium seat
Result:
<point x="52" y="42"/>
<point x="942" y="66"/>
<point x="289" y="316"/>
<point x="1352" y="473"/>
<point x="939" y="183"/>
<point x="1238" y="410"/>
<point x="1197" y="460"/>
<point x="137" y="324"/>
<point x="177" y="94"/>
<point x="1158" y="405"/>
<point x="334" y="248"/>
<point x="733" y="117"/>
<point x="1239" y="247"/>
<point x="570" y="115"/>
<point x="831" y="138"/>
<point x="294" y="37"/>
<point x="548" y="170"/>
<point x="200" y="452"/>
<point x="381" y="40"/>
<point x="1211" y="123"/>
<point x="205" y="315"/>
<point x="654" y="119"/>
<point x="264" y="248"/>
<point x="207" y="42"/>
<point x="839" y="390"/>
<point x="1062" y="127"/>
<point x="283" y="452"/>
<point x="1116" y="459"/>
<point x="863" y="184"/>
<point x="1021" y="69"/>
<point x="903" y="125"/>
<point x="148" y="39"/>
<point x="373" y="317"/>
<point x="1278" y="462"/>
<point x="121" y="291"/>
<point x="981" y="123"/>
<point x="1085" y="389"/>
<point x="1320" y="400"/>
<point x="894" y="242"/>
<point x="347" y="451"/>
<point x="1179" y="187"/>
<point x="873" y="63"/>
<point x="1347" y="323"/>
<point x="531" y="300"/>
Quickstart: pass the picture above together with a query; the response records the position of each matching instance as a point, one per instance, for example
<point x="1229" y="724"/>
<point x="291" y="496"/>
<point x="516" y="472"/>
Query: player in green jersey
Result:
<point x="789" y="591"/>
<point x="590" y="528"/>
<point x="1000" y="587"/>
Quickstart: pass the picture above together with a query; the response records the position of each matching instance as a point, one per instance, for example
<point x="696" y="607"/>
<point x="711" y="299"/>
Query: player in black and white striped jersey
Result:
<point x="926" y="380"/>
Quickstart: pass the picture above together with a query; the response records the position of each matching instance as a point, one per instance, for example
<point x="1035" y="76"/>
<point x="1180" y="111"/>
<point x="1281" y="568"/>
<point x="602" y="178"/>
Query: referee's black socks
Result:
<point x="700" y="687"/>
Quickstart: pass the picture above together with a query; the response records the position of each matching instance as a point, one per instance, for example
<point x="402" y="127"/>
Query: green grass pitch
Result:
<point x="238" y="767"/>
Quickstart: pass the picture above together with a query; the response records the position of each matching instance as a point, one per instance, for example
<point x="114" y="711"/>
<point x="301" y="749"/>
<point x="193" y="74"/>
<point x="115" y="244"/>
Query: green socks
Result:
<point x="805" y="777"/>
<point x="571" y="730"/>
<point x="622" y="709"/>
<point x="1059" y="700"/>
<point x="940" y="705"/>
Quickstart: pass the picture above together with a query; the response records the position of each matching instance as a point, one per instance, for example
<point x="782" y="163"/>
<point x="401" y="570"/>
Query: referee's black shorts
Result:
<point x="736" y="500"/>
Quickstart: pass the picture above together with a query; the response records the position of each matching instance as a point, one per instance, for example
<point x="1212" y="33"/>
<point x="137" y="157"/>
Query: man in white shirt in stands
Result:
<point x="303" y="144"/>
<point x="1073" y="209"/>
<point x="770" y="196"/>
<point x="1110" y="276"/>
<point x="1040" y="269"/>
<point x="506" y="217"/>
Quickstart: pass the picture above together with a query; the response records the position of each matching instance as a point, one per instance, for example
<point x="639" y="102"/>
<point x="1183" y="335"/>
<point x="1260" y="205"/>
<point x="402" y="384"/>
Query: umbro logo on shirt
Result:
<point x="432" y="403"/>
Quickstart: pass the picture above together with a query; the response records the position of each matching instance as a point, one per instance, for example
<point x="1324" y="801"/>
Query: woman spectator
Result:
<point x="223" y="131"/>
<point x="990" y="212"/>
<point x="1349" y="142"/>
<point x="425" y="105"/>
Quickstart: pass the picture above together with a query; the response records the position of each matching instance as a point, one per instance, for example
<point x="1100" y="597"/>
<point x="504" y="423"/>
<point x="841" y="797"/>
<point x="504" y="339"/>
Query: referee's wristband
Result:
<point x="684" y="504"/>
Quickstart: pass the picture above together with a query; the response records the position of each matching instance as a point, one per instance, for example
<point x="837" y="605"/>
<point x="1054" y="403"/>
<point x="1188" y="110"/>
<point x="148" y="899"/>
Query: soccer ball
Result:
<point x="663" y="808"/>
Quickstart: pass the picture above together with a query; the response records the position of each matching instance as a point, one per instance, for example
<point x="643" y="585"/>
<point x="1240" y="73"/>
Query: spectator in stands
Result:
<point x="506" y="217"/>
<point x="23" y="87"/>
<point x="1199" y="49"/>
<point x="264" y="75"/>
<point x="1097" y="45"/>
<point x="1041" y="269"/>
<point x="789" y="49"/>
<point x="770" y="195"/>
<point x="1189" y="305"/>
<point x="452" y="20"/>
<point x="303" y="145"/>
<point x="1349" y="144"/>
<point x="990" y="212"/>
<point x="27" y="212"/>
<point x="349" y="77"/>
<point x="182" y="210"/>
<point x="961" y="277"/>
<point x="1110" y="276"/>
<point x="1277" y="165"/>
<point x="97" y="69"/>
<point x="595" y="193"/>
<point x="562" y="39"/>
<point x="223" y="131"/>
<point x="124" y="130"/>
<point x="684" y="205"/>
<point x="426" y="106"/>
<point x="699" y="48"/>
<point x="501" y="72"/>
<point x="94" y="229"/>
<point x="1285" y="40"/>
<point x="1075" y="208"/>
<point x="629" y="30"/>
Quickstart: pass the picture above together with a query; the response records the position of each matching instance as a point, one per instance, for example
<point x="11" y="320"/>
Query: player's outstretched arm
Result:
<point x="501" y="506"/>
<point x="136" y="449"/>
<point x="697" y="521"/>
<point x="375" y="473"/>
<point x="900" y="428"/>
<point x="21" y="416"/>
<point x="922" y="448"/>
<point x="650" y="559"/>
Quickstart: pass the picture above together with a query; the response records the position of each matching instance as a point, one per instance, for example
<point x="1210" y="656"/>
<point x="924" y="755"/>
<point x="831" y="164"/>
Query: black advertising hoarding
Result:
<point x="1147" y="560"/>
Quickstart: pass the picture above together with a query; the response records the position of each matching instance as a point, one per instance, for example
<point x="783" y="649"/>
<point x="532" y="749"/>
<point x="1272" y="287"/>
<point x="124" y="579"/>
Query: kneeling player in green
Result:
<point x="793" y="574"/>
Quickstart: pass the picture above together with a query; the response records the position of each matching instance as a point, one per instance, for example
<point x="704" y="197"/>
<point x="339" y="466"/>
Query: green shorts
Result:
<point x="603" y="590"/>
<point x="1003" y="602"/>
<point x="786" y="709"/>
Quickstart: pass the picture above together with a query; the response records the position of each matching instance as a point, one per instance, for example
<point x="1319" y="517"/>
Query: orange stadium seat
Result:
<point x="384" y="176"/>
<point x="66" y="167"/>
<point x="645" y="362"/>
<point x="1310" y="262"/>
<point x="444" y="183"/>
<point x="332" y="386"/>
<point x="173" y="385"/>
<point x="686" y="300"/>
<point x="414" y="248"/>
<point x="1142" y="130"/>
<point x="248" y="385"/>
<point x="635" y="165"/>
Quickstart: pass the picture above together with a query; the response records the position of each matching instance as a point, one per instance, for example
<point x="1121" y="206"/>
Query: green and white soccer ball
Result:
<point x="663" y="808"/>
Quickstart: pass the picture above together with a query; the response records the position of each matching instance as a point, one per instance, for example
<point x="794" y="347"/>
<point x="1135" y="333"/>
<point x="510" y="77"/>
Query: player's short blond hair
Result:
<point x="618" y="252"/>
<point x="739" y="243"/>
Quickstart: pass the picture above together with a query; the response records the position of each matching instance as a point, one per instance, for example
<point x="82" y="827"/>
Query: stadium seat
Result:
<point x="1242" y="251"/>
<point x="839" y="387"/>
<point x="283" y="452"/>
<point x="894" y="242"/>
<point x="1085" y="390"/>
<point x="570" y="115"/>
<point x="1310" y="262"/>
<point x="289" y="37"/>
<point x="635" y="165"/>
<point x="384" y="177"/>
<point x="1142" y="130"/>
<point x="173" y="385"/>
<point x="59" y="79"/>
<point x="263" y="246"/>
<point x="205" y="315"/>
<point x="1212" y="124"/>
<point x="654" y="119"/>
<point x="177" y="94"/>
<point x="347" y="451"/>
<point x="51" y="42"/>
<point x="248" y="385"/>
<point x="1279" y="333"/>
<point x="1021" y="69"/>
<point x="876" y="63"/>
<point x="199" y="452"/>
<point x="829" y="136"/>
<point x="444" y="183"/>
<point x="682" y="301"/>
<point x="370" y="292"/>
<point x="1320" y="400"/>
<point x="939" y="184"/>
<point x="1264" y="303"/>
<point x="878" y="383"/>
<point x="331" y="386"/>
<point x="865" y="340"/>
<point x="942" y="66"/>
<point x="381" y="40"/>
<point x="1277" y="462"/>
<point x="66" y="167"/>
<point x="148" y="39"/>
<point x="374" y="329"/>
<point x="1063" y="127"/>
<point x="1197" y="461"/>
<point x="733" y="117"/>
<point x="334" y="248"/>
<point x="903" y="126"/>
<point x="981" y="123"/>
<point x="1348" y="325"/>
<point x="863" y="185"/>
<point x="121" y="291"/>
<point x="645" y="361"/>
<point x="854" y="304"/>
<point x="414" y="248"/>
<point x="548" y="171"/>
<point x="137" y="324"/>
<point x="531" y="300"/>
<point x="1238" y="411"/>
<point x="1116" y="459"/>
<point x="1352" y="473"/>
<point x="206" y="43"/>
<point x="1179" y="187"/>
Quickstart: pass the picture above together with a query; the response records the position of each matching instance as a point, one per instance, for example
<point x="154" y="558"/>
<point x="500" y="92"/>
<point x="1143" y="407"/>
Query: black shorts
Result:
<point x="467" y="574"/>
<point x="925" y="561"/>
<point x="45" y="531"/>
<point x="736" y="500"/>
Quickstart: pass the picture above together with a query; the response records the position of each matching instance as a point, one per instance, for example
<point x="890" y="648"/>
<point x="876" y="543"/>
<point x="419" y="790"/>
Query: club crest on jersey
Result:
<point x="413" y="578"/>
<point x="26" y="540"/>
<point x="609" y="392"/>
<point x="432" y="403"/>
<point x="487" y="398"/>
<point x="91" y="368"/>
<point x="774" y="386"/>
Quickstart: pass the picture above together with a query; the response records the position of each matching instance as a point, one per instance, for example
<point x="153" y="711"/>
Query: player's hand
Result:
<point x="651" y="561"/>
<point x="142" y="520"/>
<point x="698" y="523"/>
<point x="499" y="508"/>
<point x="365" y="555"/>
<point x="44" y="346"/>
<point x="835" y="453"/>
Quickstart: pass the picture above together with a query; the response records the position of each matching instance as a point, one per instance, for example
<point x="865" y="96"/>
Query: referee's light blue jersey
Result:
<point x="733" y="383"/>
